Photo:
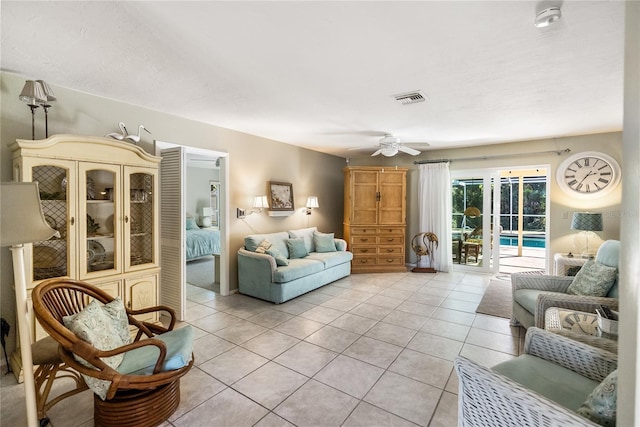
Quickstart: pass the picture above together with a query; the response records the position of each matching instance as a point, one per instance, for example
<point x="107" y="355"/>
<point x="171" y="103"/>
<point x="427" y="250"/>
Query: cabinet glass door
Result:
<point x="51" y="258"/>
<point x="98" y="191"/>
<point x="140" y="217"/>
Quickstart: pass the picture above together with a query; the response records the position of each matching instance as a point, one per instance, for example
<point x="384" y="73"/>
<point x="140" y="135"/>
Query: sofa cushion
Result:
<point x="297" y="248"/>
<point x="331" y="259"/>
<point x="297" y="268"/>
<point x="252" y="242"/>
<point x="307" y="235"/>
<point x="600" y="406"/>
<point x="593" y="279"/>
<point x="554" y="382"/>
<point x="527" y="298"/>
<point x="324" y="242"/>
<point x="280" y="259"/>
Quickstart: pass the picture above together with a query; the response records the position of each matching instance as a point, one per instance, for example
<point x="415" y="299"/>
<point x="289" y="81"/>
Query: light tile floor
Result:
<point x="367" y="350"/>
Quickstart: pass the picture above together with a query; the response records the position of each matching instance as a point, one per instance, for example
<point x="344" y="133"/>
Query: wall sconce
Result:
<point x="312" y="203"/>
<point x="207" y="213"/>
<point x="259" y="204"/>
<point x="33" y="94"/>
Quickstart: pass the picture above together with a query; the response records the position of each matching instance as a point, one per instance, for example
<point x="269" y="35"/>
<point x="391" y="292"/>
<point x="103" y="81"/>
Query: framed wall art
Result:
<point x="281" y="196"/>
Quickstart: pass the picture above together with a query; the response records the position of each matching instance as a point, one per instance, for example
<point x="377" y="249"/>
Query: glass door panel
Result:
<point x="141" y="218"/>
<point x="51" y="257"/>
<point x="99" y="186"/>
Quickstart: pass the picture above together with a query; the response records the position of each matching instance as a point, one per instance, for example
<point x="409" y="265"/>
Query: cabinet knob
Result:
<point x="72" y="220"/>
<point x="126" y="219"/>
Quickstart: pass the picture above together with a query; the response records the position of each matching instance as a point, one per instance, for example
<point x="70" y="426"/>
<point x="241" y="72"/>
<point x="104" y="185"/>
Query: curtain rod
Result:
<point x="496" y="156"/>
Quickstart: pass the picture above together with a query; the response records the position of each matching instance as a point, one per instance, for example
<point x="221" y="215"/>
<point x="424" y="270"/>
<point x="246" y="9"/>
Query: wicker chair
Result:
<point x="132" y="399"/>
<point x="502" y="396"/>
<point x="533" y="294"/>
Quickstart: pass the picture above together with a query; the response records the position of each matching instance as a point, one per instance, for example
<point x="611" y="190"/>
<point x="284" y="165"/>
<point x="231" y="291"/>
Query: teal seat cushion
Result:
<point x="331" y="259"/>
<point x="141" y="361"/>
<point x="297" y="268"/>
<point x="563" y="386"/>
<point x="527" y="298"/>
<point x="609" y="254"/>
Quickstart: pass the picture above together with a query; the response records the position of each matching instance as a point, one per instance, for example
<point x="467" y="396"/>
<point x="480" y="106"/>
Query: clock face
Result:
<point x="588" y="173"/>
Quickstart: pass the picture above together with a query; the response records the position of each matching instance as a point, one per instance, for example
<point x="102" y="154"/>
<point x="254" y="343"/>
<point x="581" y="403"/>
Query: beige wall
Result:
<point x="253" y="161"/>
<point x="562" y="205"/>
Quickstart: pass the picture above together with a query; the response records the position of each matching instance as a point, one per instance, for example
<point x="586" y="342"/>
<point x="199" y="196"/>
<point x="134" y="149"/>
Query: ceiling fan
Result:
<point x="391" y="145"/>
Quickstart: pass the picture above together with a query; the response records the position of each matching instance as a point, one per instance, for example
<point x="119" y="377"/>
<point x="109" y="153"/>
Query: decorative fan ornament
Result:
<point x="424" y="244"/>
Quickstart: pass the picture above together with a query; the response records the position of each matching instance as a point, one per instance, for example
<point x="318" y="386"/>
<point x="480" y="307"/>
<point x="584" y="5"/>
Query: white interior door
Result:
<point x="173" y="230"/>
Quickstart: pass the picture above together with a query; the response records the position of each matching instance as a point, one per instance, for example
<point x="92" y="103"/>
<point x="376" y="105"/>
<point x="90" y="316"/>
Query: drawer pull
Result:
<point x="364" y="251"/>
<point x="391" y="240"/>
<point x="364" y="240"/>
<point x="389" y="260"/>
<point x="390" y="250"/>
<point x="364" y="261"/>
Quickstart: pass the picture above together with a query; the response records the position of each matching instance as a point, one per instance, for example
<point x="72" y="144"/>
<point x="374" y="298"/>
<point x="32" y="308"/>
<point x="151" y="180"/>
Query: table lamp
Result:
<point x="588" y="223"/>
<point x="22" y="221"/>
<point x="207" y="213"/>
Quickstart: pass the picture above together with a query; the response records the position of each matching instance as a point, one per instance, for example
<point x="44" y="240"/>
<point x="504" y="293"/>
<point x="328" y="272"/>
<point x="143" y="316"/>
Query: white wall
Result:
<point x="198" y="194"/>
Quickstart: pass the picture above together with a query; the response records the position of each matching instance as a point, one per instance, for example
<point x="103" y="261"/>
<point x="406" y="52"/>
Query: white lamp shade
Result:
<point x="260" y="202"/>
<point x="207" y="211"/>
<point x="48" y="93"/>
<point x="22" y="219"/>
<point x="32" y="93"/>
<point x="312" y="202"/>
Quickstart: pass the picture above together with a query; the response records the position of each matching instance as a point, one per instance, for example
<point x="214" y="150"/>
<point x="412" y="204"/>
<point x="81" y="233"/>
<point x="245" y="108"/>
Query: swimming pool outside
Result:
<point x="530" y="242"/>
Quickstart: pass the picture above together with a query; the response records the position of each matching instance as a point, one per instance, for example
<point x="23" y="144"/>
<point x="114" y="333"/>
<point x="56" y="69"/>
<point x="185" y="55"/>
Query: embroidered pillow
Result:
<point x="324" y="242"/>
<point x="593" y="279"/>
<point x="191" y="223"/>
<point x="263" y="246"/>
<point x="297" y="248"/>
<point x="281" y="260"/>
<point x="600" y="406"/>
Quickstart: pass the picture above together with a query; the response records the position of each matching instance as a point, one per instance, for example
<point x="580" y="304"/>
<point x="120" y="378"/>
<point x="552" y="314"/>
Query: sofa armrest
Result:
<point x="254" y="267"/>
<point x="570" y="302"/>
<point x="591" y="362"/>
<point x="341" y="244"/>
<point x="488" y="398"/>
<point x="541" y="282"/>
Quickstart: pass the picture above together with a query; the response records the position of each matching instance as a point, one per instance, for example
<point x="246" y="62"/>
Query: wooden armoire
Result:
<point x="375" y="212"/>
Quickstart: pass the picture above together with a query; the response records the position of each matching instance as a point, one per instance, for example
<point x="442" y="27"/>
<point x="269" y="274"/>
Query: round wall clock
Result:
<point x="589" y="173"/>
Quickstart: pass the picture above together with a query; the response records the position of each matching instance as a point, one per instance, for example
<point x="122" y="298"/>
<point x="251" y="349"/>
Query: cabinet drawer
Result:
<point x="391" y="231"/>
<point x="364" y="250"/>
<point x="364" y="230"/>
<point x="391" y="240"/>
<point x="363" y="260"/>
<point x="390" y="260"/>
<point x="390" y="250"/>
<point x="363" y="240"/>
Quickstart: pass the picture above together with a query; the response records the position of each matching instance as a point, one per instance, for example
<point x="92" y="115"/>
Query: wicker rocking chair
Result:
<point x="132" y="399"/>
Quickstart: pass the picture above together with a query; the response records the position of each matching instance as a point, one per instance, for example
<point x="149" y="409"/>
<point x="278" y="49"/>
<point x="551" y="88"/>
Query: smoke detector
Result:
<point x="548" y="16"/>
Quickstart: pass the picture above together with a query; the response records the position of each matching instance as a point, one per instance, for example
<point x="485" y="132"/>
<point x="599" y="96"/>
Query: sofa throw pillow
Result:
<point x="593" y="279"/>
<point x="324" y="242"/>
<point x="600" y="406"/>
<point x="297" y="248"/>
<point x="191" y="223"/>
<point x="281" y="260"/>
<point x="307" y="235"/>
<point x="263" y="246"/>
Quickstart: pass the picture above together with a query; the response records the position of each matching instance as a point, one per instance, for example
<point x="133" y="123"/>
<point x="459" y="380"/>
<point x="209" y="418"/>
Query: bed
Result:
<point x="202" y="242"/>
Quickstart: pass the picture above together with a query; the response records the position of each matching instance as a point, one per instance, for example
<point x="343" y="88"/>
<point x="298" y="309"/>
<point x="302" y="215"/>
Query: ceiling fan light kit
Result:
<point x="547" y="16"/>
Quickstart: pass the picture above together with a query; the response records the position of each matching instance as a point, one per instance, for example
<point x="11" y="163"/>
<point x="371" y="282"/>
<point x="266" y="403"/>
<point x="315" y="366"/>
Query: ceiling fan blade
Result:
<point x="377" y="152"/>
<point x="408" y="150"/>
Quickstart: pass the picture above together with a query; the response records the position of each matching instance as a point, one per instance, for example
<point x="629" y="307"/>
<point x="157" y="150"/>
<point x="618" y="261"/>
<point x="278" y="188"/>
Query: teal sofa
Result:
<point x="260" y="276"/>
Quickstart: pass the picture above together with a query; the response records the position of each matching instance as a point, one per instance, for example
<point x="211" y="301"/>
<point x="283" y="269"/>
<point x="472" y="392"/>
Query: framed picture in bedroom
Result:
<point x="280" y="196"/>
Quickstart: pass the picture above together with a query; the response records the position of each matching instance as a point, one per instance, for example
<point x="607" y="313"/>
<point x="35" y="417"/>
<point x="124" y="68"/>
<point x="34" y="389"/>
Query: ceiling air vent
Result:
<point x="410" y="97"/>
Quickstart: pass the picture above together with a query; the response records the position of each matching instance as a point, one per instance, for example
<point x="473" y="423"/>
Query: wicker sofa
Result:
<point x="534" y="294"/>
<point x="545" y="386"/>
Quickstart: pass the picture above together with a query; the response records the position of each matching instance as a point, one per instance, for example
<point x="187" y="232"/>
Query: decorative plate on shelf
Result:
<point x="95" y="252"/>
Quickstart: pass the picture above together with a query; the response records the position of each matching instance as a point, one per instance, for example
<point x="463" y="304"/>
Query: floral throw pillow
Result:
<point x="593" y="279"/>
<point x="600" y="406"/>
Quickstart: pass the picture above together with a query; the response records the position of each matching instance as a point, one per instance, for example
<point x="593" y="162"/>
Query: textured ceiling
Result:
<point x="322" y="74"/>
